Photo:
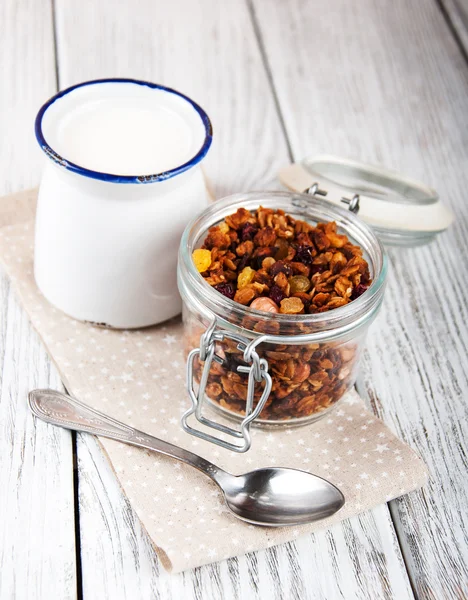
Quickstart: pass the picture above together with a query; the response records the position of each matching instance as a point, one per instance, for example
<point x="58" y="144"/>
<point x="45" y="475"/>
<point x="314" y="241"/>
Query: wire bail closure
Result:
<point x="257" y="370"/>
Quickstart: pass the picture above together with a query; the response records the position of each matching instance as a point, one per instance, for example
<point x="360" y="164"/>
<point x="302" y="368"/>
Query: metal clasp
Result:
<point x="314" y="190"/>
<point x="257" y="370"/>
<point x="353" y="203"/>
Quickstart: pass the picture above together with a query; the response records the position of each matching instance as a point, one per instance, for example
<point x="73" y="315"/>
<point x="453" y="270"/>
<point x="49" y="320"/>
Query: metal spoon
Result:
<point x="272" y="496"/>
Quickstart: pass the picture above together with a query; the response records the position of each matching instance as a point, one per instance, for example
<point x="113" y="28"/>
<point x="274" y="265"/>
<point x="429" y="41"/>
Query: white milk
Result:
<point x="125" y="136"/>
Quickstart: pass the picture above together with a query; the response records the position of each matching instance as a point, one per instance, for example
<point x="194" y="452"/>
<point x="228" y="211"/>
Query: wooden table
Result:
<point x="385" y="82"/>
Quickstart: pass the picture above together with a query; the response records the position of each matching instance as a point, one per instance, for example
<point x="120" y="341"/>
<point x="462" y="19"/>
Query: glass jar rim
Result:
<point x="342" y="318"/>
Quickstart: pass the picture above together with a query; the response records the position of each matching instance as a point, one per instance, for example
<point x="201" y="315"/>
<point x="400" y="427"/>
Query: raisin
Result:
<point x="280" y="267"/>
<point x="276" y="294"/>
<point x="243" y="262"/>
<point x="226" y="289"/>
<point x="245" y="277"/>
<point x="358" y="291"/>
<point x="299" y="283"/>
<point x="201" y="259"/>
<point x="314" y="269"/>
<point x="304" y="255"/>
<point x="248" y="232"/>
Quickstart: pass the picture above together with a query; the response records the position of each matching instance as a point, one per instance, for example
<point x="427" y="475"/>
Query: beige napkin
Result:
<point x="138" y="377"/>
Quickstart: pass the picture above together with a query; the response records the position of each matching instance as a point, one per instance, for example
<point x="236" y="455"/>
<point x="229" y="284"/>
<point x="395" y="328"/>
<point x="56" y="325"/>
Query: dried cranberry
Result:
<point x="276" y="294"/>
<point x="280" y="267"/>
<point x="358" y="291"/>
<point x="304" y="255"/>
<point x="314" y="269"/>
<point x="248" y="231"/>
<point x="226" y="289"/>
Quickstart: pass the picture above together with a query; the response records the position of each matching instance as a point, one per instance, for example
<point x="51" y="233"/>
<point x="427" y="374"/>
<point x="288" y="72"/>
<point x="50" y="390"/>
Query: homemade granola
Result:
<point x="276" y="264"/>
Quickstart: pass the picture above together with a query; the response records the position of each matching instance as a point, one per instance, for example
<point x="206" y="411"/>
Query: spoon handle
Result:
<point x="64" y="411"/>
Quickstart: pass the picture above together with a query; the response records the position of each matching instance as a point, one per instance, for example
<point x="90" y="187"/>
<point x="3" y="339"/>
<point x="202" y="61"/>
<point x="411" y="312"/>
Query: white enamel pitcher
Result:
<point x="106" y="244"/>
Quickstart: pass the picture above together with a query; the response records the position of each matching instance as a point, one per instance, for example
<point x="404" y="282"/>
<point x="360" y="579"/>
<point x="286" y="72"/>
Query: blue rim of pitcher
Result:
<point x="113" y="178"/>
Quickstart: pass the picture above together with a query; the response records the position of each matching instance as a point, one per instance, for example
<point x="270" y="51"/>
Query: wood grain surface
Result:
<point x="397" y="94"/>
<point x="456" y="15"/>
<point x="368" y="80"/>
<point x="37" y="523"/>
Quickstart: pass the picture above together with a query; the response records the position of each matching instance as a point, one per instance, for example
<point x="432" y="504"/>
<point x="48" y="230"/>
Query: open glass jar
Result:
<point x="272" y="369"/>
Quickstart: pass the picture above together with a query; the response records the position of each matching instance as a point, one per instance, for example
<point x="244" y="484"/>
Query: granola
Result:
<point x="307" y="379"/>
<point x="271" y="262"/>
<point x="302" y="268"/>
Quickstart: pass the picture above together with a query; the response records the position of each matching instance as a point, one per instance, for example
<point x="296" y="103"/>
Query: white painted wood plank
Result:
<point x="208" y="51"/>
<point x="37" y="534"/>
<point x="457" y="14"/>
<point x="392" y="88"/>
<point x="27" y="80"/>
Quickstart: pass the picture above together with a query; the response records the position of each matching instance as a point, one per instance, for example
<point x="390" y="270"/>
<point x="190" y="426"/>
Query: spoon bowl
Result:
<point x="279" y="496"/>
<point x="273" y="497"/>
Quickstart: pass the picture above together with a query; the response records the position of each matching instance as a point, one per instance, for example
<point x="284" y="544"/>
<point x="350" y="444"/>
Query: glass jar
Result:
<point x="272" y="369"/>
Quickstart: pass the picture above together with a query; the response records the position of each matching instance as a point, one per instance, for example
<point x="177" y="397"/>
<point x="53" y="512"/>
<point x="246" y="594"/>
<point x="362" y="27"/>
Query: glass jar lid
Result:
<point x="401" y="211"/>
